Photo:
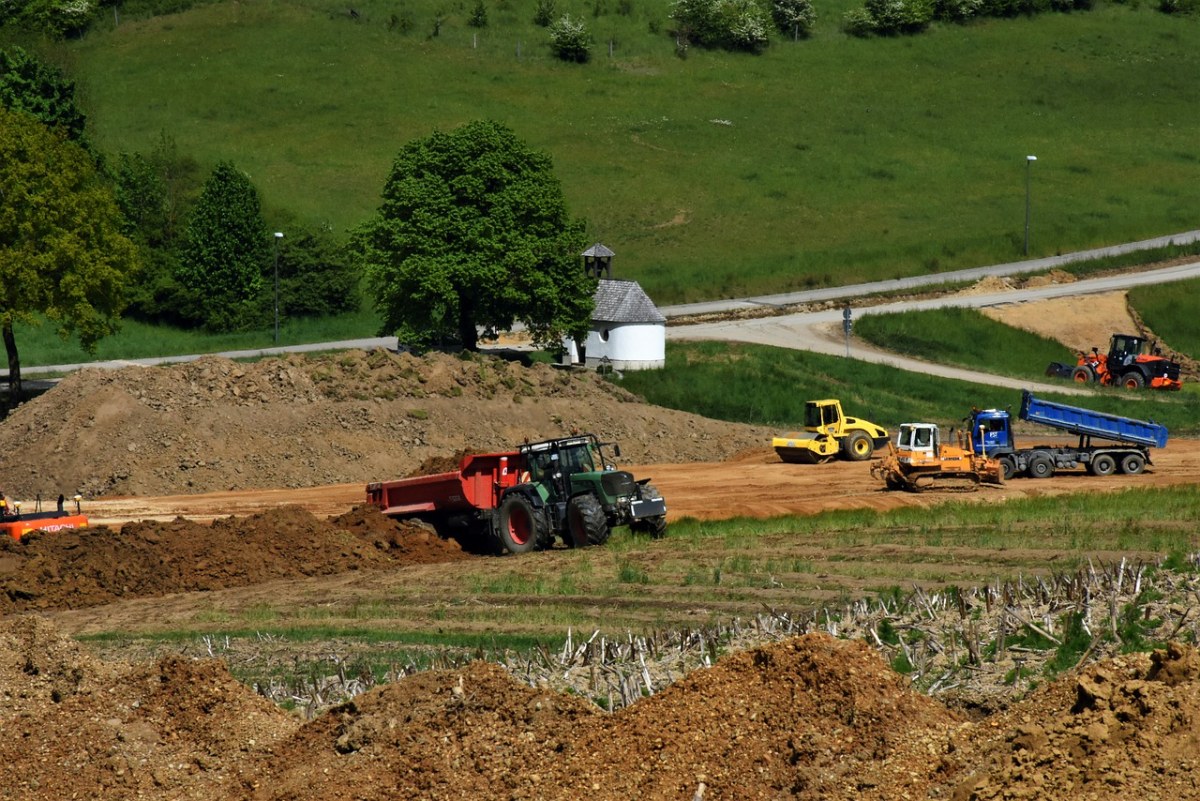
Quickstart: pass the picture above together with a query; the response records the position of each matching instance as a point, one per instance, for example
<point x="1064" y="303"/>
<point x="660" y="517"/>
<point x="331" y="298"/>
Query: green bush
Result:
<point x="570" y="40"/>
<point x="544" y="13"/>
<point x="794" y="17"/>
<point x="858" y="22"/>
<point x="479" y="15"/>
<point x="728" y="24"/>
<point x="1179" y="6"/>
<point x="53" y="17"/>
<point x="957" y="10"/>
<point x="892" y="17"/>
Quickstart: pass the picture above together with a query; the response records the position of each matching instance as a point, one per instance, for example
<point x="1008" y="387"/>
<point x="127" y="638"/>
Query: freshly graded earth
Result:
<point x="216" y="478"/>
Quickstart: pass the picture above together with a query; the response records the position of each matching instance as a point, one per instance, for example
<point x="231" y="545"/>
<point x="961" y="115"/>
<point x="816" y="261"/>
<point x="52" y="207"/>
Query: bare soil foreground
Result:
<point x="809" y="717"/>
<point x="223" y="490"/>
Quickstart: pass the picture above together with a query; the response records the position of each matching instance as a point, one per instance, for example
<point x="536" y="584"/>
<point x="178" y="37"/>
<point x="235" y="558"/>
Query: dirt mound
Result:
<point x="88" y="567"/>
<point x="1123" y="727"/>
<point x="175" y="729"/>
<point x="809" y="717"/>
<point x="301" y="421"/>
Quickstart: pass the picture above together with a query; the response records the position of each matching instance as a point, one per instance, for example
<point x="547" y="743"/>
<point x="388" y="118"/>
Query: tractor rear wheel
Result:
<point x="519" y="528"/>
<point x="1133" y="464"/>
<point x="1083" y="374"/>
<point x="1133" y="381"/>
<point x="586" y="523"/>
<point x="1103" y="465"/>
<point x="858" y="447"/>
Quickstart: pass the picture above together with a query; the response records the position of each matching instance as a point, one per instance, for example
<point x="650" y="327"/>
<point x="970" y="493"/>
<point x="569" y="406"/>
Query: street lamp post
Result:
<point x="278" y="236"/>
<point x="1028" y="170"/>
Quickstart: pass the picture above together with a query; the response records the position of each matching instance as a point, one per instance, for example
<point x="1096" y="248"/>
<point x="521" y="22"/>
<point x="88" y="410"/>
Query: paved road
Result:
<point x="919" y="281"/>
<point x="821" y="332"/>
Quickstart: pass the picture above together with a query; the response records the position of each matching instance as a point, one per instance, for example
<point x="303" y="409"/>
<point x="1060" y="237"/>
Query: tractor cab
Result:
<point x="562" y="468"/>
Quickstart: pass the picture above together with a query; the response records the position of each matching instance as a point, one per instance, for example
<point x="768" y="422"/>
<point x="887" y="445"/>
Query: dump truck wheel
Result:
<point x="1133" y="464"/>
<point x="1008" y="467"/>
<point x="1133" y="381"/>
<point x="586" y="524"/>
<point x="519" y="527"/>
<point x="858" y="447"/>
<point x="1103" y="465"/>
<point x="1041" y="466"/>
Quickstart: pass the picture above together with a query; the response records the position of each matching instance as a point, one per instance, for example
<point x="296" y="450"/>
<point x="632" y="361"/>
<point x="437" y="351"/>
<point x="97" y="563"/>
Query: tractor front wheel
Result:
<point x="586" y="523"/>
<point x="1083" y="374"/>
<point x="519" y="527"/>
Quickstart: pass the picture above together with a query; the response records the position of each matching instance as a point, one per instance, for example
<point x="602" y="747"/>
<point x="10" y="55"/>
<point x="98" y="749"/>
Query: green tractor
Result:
<point x="568" y="489"/>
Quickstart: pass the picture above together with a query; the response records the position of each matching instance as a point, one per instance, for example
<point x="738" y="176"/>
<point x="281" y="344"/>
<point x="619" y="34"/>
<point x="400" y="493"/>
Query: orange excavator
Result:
<point x="16" y="522"/>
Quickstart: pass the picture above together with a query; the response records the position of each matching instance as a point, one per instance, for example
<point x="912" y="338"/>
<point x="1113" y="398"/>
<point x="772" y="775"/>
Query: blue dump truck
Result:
<point x="1107" y="443"/>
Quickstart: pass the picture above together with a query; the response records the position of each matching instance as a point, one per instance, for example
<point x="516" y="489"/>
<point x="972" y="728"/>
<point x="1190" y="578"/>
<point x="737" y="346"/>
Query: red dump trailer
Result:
<point x="477" y="485"/>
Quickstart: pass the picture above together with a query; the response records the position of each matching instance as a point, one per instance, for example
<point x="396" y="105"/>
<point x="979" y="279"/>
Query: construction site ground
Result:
<point x="274" y="457"/>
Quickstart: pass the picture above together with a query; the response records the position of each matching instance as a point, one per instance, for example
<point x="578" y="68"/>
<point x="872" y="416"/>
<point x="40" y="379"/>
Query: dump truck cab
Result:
<point x="829" y="433"/>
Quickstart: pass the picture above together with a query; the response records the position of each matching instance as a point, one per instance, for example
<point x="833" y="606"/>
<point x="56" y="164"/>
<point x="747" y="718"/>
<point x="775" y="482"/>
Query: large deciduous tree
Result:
<point x="225" y="250"/>
<point x="62" y="252"/>
<point x="473" y="233"/>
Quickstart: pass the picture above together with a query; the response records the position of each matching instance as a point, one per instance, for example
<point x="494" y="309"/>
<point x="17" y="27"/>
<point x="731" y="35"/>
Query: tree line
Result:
<point x="472" y="236"/>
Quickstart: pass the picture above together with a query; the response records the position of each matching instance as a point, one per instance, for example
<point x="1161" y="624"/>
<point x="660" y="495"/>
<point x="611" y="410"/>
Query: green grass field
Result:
<point x="827" y="161"/>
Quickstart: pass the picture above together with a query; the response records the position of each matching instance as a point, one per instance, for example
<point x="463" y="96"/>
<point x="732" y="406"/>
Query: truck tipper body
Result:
<point x="1107" y="443"/>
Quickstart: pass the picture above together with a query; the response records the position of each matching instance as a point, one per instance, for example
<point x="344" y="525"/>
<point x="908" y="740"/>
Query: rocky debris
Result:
<point x="1123" y="727"/>
<point x="300" y="421"/>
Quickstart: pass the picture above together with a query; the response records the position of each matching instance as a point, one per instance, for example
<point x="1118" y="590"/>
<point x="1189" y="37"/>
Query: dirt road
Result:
<point x="754" y="484"/>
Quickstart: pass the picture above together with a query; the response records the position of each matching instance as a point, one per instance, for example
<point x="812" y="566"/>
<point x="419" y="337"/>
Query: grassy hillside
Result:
<point x="826" y="161"/>
<point x="769" y="386"/>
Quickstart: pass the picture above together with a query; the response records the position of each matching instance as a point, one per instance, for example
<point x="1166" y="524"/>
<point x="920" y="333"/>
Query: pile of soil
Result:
<point x="809" y="717"/>
<point x="92" y="566"/>
<point x="302" y="421"/>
